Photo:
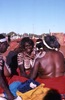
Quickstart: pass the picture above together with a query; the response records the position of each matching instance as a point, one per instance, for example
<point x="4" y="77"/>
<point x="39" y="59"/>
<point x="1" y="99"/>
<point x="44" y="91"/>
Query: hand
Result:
<point x="32" y="55"/>
<point x="10" y="97"/>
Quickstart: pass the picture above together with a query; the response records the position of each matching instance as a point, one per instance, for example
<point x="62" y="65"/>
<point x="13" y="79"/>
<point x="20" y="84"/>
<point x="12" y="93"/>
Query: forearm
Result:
<point x="5" y="87"/>
<point x="23" y="73"/>
<point x="33" y="73"/>
<point x="3" y="84"/>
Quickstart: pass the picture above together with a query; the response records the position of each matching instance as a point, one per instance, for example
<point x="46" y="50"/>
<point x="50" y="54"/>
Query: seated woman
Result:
<point x="4" y="69"/>
<point x="25" y="57"/>
<point x="11" y="60"/>
<point x="52" y="63"/>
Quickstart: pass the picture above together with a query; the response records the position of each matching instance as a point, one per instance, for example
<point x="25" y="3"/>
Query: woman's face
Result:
<point x="3" y="47"/>
<point x="28" y="48"/>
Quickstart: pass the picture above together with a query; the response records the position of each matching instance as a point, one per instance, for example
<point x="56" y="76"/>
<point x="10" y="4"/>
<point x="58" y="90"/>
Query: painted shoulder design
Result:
<point x="20" y="58"/>
<point x="1" y="62"/>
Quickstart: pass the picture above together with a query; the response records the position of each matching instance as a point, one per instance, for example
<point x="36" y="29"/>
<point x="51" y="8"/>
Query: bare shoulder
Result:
<point x="58" y="55"/>
<point x="54" y="55"/>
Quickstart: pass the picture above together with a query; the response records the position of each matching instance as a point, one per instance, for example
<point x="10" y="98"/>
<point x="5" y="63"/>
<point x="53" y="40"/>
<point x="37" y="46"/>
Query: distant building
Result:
<point x="25" y="35"/>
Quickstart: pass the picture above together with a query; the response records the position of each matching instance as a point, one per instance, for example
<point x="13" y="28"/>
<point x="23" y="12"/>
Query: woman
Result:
<point x="4" y="69"/>
<point x="25" y="57"/>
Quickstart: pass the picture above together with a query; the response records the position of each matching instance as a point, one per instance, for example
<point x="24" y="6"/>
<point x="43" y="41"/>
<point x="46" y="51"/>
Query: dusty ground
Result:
<point x="63" y="50"/>
<point x="14" y="44"/>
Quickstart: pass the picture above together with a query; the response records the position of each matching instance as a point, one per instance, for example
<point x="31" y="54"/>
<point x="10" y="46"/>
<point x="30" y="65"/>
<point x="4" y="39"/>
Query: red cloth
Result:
<point x="14" y="78"/>
<point x="17" y="78"/>
<point x="55" y="83"/>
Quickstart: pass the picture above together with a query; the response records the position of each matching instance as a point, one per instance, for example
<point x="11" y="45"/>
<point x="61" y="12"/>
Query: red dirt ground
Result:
<point x="15" y="43"/>
<point x="63" y="50"/>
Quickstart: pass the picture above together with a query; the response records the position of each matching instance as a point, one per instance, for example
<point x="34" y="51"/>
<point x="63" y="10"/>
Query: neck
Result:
<point x="46" y="49"/>
<point x="27" y="54"/>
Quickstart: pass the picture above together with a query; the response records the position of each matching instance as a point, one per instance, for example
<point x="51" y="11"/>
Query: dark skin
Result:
<point x="50" y="65"/>
<point x="27" y="51"/>
<point x="3" y="48"/>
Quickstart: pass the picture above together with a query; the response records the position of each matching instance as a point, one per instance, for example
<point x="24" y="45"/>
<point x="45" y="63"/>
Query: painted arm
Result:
<point x="34" y="71"/>
<point x="3" y="83"/>
<point x="21" y="64"/>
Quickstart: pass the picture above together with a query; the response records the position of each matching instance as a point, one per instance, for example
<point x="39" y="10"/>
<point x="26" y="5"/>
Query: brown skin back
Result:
<point x="50" y="65"/>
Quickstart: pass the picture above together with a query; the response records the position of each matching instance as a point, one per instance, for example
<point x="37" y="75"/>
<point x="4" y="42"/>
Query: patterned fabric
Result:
<point x="20" y="58"/>
<point x="25" y="60"/>
<point x="1" y="62"/>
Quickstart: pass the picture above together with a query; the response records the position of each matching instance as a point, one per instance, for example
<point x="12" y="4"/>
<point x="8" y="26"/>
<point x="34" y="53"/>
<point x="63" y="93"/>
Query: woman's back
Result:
<point x="52" y="64"/>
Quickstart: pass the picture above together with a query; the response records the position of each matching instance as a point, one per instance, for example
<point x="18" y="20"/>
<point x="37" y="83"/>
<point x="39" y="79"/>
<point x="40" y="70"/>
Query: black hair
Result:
<point x="52" y="41"/>
<point x="52" y="94"/>
<point x="26" y="40"/>
<point x="39" y="40"/>
<point x="40" y="44"/>
<point x="2" y="36"/>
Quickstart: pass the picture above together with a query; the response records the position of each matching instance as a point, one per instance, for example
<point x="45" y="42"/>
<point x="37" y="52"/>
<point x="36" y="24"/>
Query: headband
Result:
<point x="39" y="48"/>
<point x="49" y="46"/>
<point x="38" y="42"/>
<point x="3" y="40"/>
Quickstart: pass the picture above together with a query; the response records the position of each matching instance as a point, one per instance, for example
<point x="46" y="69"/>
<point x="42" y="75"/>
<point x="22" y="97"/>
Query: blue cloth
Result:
<point x="13" y="87"/>
<point x="25" y="86"/>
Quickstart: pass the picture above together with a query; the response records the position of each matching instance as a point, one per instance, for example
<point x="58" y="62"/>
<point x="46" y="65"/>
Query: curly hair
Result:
<point x="52" y="41"/>
<point x="2" y="36"/>
<point x="26" y="40"/>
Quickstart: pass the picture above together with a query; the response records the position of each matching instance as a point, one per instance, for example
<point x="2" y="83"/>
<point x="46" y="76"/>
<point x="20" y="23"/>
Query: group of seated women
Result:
<point x="31" y="60"/>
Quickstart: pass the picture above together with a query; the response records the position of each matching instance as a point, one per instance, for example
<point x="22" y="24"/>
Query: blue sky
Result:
<point x="32" y="16"/>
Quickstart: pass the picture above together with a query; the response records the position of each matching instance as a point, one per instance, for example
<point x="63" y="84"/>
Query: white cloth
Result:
<point x="2" y="97"/>
<point x="3" y="40"/>
<point x="18" y="98"/>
